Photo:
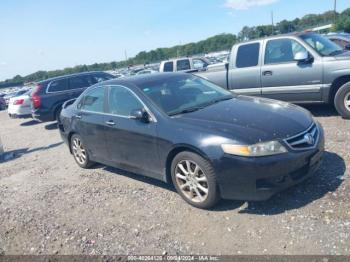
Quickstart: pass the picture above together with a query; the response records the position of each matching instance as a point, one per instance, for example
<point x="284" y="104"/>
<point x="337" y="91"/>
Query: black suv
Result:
<point x="50" y="94"/>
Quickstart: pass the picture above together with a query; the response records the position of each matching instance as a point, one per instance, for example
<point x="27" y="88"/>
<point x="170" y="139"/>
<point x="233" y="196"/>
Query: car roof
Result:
<point x="140" y="79"/>
<point x="70" y="75"/>
<point x="276" y="36"/>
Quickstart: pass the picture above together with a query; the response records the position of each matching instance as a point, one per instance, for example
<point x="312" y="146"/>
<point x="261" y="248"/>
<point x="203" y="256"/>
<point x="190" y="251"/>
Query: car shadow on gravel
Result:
<point x="11" y="155"/>
<point x="326" y="180"/>
<point x="31" y="122"/>
<point x="321" y="110"/>
<point x="51" y="126"/>
<point x="141" y="178"/>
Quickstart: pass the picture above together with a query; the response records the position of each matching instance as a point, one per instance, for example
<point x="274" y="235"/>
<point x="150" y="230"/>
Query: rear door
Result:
<point x="78" y="84"/>
<point x="91" y="122"/>
<point x="283" y="78"/>
<point x="183" y="65"/>
<point x="131" y="143"/>
<point x="244" y="71"/>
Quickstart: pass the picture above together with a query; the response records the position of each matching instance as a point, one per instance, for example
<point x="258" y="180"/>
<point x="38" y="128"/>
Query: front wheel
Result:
<point x="342" y="101"/>
<point x="81" y="155"/>
<point x="194" y="179"/>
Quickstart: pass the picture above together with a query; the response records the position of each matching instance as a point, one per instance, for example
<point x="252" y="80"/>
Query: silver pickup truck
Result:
<point x="299" y="68"/>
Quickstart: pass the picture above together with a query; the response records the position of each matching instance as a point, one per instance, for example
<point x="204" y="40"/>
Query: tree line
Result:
<point x="216" y="43"/>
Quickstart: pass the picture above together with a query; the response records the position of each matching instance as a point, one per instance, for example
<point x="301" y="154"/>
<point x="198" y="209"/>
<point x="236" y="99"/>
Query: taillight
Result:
<point x="18" y="102"/>
<point x="35" y="97"/>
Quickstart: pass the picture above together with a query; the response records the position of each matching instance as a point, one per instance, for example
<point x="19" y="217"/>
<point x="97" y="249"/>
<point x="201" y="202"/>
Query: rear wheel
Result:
<point x="81" y="156"/>
<point x="194" y="179"/>
<point x="342" y="101"/>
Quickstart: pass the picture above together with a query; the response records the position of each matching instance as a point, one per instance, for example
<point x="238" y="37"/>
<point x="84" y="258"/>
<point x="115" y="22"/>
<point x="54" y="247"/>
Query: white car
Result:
<point x="20" y="106"/>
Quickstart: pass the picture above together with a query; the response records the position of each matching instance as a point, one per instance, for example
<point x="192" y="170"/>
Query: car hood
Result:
<point x="250" y="119"/>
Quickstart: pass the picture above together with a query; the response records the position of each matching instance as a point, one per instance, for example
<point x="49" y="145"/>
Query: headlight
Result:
<point x="260" y="149"/>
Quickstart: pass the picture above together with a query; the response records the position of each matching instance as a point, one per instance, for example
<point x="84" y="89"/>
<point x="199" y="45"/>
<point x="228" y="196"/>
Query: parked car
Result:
<point x="342" y="40"/>
<point x="184" y="65"/>
<point x="2" y="103"/>
<point x="20" y="106"/>
<point x="298" y="67"/>
<point x="14" y="94"/>
<point x="49" y="95"/>
<point x="146" y="71"/>
<point x="208" y="142"/>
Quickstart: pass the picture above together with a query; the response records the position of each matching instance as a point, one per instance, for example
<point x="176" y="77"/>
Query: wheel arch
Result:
<point x="175" y="151"/>
<point x="69" y="137"/>
<point x="337" y="83"/>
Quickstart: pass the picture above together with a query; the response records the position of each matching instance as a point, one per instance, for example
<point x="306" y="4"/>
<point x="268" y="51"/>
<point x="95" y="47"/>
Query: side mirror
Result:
<point x="139" y="114"/>
<point x="301" y="56"/>
<point x="347" y="47"/>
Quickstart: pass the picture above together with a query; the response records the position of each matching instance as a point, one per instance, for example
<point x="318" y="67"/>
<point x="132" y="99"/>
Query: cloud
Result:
<point x="246" y="4"/>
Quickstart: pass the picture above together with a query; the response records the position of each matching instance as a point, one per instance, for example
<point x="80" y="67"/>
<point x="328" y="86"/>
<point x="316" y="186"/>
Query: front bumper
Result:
<point x="259" y="178"/>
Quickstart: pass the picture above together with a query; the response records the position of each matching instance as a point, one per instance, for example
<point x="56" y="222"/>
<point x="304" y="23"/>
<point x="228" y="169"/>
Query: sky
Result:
<point x="53" y="34"/>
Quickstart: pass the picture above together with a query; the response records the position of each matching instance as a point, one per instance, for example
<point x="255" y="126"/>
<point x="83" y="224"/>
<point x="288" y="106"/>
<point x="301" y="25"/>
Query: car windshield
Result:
<point x="321" y="45"/>
<point x="178" y="94"/>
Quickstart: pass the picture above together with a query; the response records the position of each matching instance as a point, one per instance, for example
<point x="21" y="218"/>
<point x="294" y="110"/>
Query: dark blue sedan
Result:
<point x="184" y="130"/>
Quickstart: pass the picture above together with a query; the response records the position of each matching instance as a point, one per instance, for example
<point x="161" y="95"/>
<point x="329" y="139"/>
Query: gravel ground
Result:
<point x="48" y="205"/>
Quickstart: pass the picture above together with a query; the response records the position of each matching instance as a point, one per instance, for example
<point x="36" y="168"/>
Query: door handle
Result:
<point x="110" y="123"/>
<point x="267" y="73"/>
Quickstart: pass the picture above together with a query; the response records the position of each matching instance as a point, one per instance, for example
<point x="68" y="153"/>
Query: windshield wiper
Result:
<point x="187" y="110"/>
<point x="336" y="52"/>
<point x="214" y="101"/>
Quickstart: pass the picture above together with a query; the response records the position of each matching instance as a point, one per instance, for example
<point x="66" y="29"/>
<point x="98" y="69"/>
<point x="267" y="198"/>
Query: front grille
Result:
<point x="305" y="140"/>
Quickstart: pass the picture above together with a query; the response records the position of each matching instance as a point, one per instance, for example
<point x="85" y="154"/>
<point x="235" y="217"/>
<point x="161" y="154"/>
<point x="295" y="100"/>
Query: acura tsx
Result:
<point x="182" y="129"/>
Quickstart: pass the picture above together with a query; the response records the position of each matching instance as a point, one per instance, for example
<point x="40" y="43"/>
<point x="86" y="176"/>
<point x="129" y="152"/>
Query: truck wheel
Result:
<point x="195" y="180"/>
<point x="342" y="101"/>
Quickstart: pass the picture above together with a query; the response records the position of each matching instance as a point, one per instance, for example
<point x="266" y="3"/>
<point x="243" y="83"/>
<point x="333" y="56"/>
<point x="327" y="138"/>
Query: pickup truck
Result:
<point x="185" y="64"/>
<point x="298" y="68"/>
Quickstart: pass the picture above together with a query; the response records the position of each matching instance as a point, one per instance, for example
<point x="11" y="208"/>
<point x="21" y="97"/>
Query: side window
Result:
<point x="122" y="101"/>
<point x="80" y="82"/>
<point x="248" y="55"/>
<point x="282" y="51"/>
<point x="183" y="65"/>
<point x="93" y="100"/>
<point x="100" y="78"/>
<point x="58" y="85"/>
<point x="199" y="64"/>
<point x="168" y="67"/>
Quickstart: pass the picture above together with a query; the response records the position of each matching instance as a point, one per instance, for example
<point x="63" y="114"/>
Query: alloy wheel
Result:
<point x="192" y="181"/>
<point x="79" y="151"/>
<point x="347" y="101"/>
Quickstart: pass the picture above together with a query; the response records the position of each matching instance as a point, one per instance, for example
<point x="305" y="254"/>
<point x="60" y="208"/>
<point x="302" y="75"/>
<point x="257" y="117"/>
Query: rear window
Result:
<point x="248" y="55"/>
<point x="58" y="85"/>
<point x="168" y="67"/>
<point x="183" y="65"/>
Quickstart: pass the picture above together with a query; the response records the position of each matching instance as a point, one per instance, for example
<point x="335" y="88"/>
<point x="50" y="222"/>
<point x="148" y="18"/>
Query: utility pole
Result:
<point x="272" y="23"/>
<point x="126" y="56"/>
<point x="335" y="11"/>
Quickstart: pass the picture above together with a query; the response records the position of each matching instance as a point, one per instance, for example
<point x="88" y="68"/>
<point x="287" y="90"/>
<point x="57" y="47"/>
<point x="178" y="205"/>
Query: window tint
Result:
<point x="121" y="101"/>
<point x="58" y="85"/>
<point x="93" y="100"/>
<point x="248" y="55"/>
<point x="80" y="82"/>
<point x="282" y="51"/>
<point x="183" y="64"/>
<point x="168" y="67"/>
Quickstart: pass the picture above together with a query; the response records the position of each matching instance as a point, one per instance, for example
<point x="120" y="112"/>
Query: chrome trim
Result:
<point x="291" y="89"/>
<point x="58" y="92"/>
<point x="152" y="117"/>
<point x="247" y="91"/>
<point x="303" y="133"/>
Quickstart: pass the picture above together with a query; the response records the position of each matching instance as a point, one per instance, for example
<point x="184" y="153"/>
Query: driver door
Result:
<point x="283" y="78"/>
<point x="131" y="143"/>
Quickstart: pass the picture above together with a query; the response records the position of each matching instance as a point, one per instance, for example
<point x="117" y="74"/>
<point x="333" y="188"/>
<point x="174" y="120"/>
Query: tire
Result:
<point x="58" y="113"/>
<point x="193" y="183"/>
<point x="342" y="101"/>
<point x="80" y="153"/>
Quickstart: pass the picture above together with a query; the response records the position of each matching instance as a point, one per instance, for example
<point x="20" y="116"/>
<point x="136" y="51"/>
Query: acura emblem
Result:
<point x="309" y="139"/>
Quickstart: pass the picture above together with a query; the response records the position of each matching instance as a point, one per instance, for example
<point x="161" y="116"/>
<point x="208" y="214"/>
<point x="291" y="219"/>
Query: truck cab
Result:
<point x="298" y="68"/>
<point x="184" y="65"/>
